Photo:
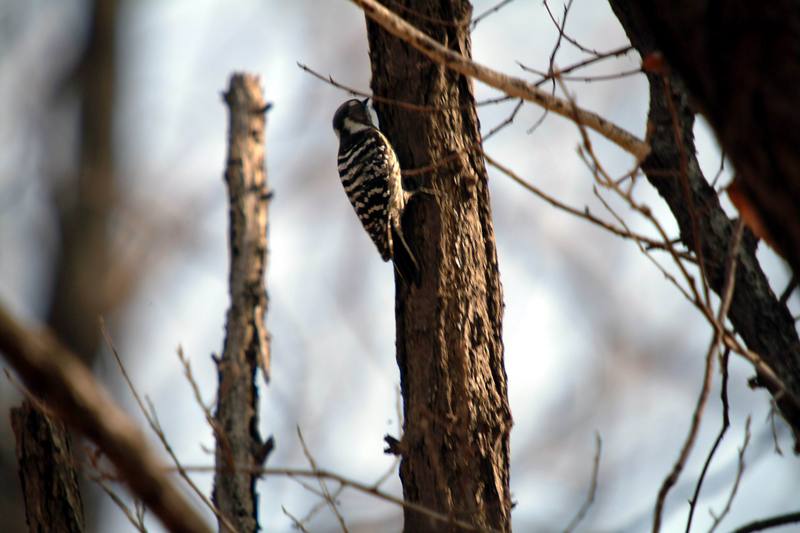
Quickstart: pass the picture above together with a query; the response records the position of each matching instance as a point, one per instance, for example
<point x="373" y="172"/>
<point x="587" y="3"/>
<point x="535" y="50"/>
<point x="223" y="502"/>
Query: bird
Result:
<point x="371" y="177"/>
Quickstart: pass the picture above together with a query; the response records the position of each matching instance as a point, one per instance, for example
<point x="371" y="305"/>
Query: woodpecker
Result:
<point x="371" y="179"/>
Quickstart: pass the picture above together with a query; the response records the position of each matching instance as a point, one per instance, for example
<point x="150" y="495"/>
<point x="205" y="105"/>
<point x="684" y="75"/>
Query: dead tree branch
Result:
<point x="584" y="509"/>
<point x="246" y="340"/>
<point x="512" y="86"/>
<point x="711" y="356"/>
<point x="775" y="521"/>
<point x="437" y="517"/>
<point x="155" y="426"/>
<point x="67" y="387"/>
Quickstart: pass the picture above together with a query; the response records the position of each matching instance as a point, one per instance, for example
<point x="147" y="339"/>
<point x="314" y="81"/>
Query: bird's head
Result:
<point x="352" y="117"/>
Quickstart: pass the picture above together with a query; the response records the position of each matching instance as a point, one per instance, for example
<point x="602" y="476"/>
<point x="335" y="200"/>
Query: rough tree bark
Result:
<point x="455" y="446"/>
<point x="239" y="449"/>
<point x="49" y="481"/>
<point x="740" y="61"/>
<point x="763" y="321"/>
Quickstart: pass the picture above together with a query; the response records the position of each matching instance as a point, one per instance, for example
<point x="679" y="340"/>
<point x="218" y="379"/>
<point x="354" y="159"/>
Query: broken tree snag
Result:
<point x="46" y="472"/>
<point x="763" y="321"/>
<point x="455" y="446"/>
<point x="239" y="448"/>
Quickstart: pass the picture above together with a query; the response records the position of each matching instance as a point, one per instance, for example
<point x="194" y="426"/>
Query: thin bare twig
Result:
<point x="688" y="445"/>
<point x="584" y="214"/>
<point x="551" y="69"/>
<point x="330" y="500"/>
<point x="494" y="9"/>
<point x="622" y="50"/>
<point x="321" y="504"/>
<point x="581" y="514"/>
<point x="603" y="178"/>
<point x="766" y="523"/>
<point x="393" y="101"/>
<point x="508" y="120"/>
<point x="719" y="171"/>
<point x="787" y="292"/>
<point x="773" y="412"/>
<point x="726" y="422"/>
<point x="560" y="28"/>
<point x="219" y="433"/>
<point x="512" y="86"/>
<point x="297" y="523"/>
<point x="155" y="426"/>
<point x="132" y="517"/>
<point x="356" y="485"/>
<point x="739" y="472"/>
<point x="58" y="377"/>
<point x="587" y="79"/>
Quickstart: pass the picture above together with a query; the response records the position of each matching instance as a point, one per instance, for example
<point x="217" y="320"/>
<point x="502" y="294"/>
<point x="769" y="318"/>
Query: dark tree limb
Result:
<point x="767" y="523"/>
<point x="455" y="447"/>
<point x="46" y="472"/>
<point x="67" y="387"/>
<point x="740" y="61"/>
<point x="758" y="316"/>
<point x="246" y="342"/>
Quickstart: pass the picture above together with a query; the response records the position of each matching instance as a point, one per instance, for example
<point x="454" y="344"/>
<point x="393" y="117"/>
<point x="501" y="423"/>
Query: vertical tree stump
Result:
<point x="239" y="448"/>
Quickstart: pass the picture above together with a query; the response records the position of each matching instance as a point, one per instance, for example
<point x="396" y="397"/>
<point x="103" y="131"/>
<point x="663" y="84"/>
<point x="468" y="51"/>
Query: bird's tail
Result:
<point x="404" y="259"/>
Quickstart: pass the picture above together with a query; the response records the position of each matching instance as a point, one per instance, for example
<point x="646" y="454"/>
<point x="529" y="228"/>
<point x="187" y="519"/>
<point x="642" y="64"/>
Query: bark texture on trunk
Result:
<point x="455" y="446"/>
<point x="49" y="480"/>
<point x="238" y="440"/>
<point x="761" y="319"/>
<point x="740" y="61"/>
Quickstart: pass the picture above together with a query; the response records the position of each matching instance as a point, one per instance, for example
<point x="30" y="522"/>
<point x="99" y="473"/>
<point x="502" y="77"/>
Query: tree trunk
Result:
<point x="455" y="446"/>
<point x="759" y="317"/>
<point x="239" y="449"/>
<point x="46" y="472"/>
<point x="740" y="61"/>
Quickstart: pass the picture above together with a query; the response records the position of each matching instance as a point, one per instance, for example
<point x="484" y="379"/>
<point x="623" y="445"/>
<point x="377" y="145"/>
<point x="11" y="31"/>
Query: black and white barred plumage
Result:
<point x="371" y="178"/>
